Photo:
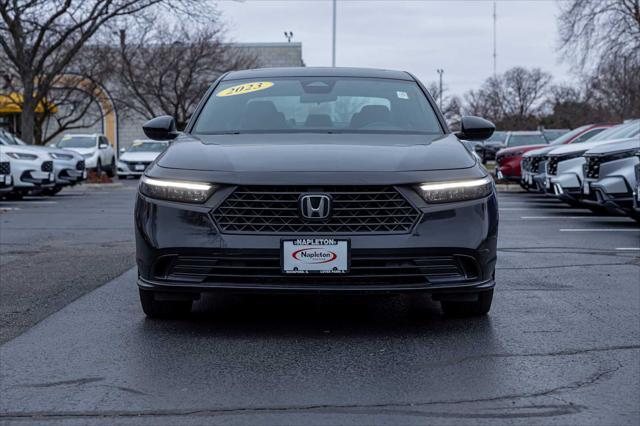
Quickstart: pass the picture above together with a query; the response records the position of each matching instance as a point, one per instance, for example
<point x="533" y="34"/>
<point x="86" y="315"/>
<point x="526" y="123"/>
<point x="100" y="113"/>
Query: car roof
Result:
<point x="317" y="72"/>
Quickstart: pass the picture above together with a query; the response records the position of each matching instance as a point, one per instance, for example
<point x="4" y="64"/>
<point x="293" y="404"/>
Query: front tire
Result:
<point x="468" y="309"/>
<point x="111" y="171"/>
<point x="154" y="308"/>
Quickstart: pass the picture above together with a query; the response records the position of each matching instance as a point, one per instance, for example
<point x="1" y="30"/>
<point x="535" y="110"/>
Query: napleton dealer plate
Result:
<point x="315" y="255"/>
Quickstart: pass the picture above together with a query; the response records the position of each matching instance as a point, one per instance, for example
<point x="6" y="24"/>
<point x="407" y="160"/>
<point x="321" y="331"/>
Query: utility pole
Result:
<point x="495" y="55"/>
<point x="440" y="72"/>
<point x="333" y="54"/>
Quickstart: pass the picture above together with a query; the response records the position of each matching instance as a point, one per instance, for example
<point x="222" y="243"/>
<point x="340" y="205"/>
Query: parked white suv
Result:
<point x="30" y="169"/>
<point x="97" y="151"/>
<point x="6" y="180"/>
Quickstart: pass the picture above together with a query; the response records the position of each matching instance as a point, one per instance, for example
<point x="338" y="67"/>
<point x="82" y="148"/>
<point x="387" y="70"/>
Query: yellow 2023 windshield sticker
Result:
<point x="242" y="89"/>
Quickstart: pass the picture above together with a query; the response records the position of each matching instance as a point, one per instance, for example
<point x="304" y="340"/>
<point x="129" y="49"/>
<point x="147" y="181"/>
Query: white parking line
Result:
<point x="600" y="230"/>
<point x="628" y="248"/>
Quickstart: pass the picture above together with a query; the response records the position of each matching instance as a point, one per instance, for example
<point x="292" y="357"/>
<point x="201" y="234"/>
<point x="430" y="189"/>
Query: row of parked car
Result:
<point x="45" y="170"/>
<point x="596" y="166"/>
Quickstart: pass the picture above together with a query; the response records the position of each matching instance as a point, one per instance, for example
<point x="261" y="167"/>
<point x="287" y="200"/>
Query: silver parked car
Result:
<point x="610" y="176"/>
<point x="135" y="160"/>
<point x="564" y="168"/>
<point x="6" y="179"/>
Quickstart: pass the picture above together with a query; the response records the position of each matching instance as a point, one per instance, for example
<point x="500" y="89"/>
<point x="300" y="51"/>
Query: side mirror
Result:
<point x="475" y="129"/>
<point x="161" y="128"/>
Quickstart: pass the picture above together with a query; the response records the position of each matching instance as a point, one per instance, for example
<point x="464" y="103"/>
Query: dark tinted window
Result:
<point x="318" y="105"/>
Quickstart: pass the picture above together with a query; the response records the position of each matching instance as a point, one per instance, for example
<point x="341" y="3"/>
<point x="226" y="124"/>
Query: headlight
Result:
<point x="171" y="190"/>
<point x="22" y="156"/>
<point x="446" y="192"/>
<point x="89" y="155"/>
<point x="57" y="156"/>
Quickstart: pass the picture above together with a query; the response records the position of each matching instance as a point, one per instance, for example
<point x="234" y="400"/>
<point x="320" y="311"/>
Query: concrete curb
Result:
<point x="95" y="186"/>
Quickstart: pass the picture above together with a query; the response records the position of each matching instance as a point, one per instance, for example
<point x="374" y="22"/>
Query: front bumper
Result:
<point x="6" y="183"/>
<point x="179" y="248"/>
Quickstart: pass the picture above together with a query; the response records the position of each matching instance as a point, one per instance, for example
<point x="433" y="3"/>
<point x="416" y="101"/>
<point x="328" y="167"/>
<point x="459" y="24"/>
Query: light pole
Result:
<point x="333" y="52"/>
<point x="440" y="72"/>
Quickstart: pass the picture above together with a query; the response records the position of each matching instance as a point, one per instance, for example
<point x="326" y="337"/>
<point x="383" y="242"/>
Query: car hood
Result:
<point x="620" y="146"/>
<point x="139" y="156"/>
<point x="523" y="148"/>
<point x="81" y="150"/>
<point x="580" y="147"/>
<point x="315" y="152"/>
<point x="25" y="150"/>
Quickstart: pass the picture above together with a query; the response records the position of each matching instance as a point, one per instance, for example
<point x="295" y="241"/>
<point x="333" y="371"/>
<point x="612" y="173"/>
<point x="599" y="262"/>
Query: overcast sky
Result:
<point x="416" y="36"/>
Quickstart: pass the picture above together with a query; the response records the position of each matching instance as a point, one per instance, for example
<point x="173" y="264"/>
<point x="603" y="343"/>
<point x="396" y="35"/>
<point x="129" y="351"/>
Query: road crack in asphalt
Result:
<point x="74" y="382"/>
<point x="408" y="408"/>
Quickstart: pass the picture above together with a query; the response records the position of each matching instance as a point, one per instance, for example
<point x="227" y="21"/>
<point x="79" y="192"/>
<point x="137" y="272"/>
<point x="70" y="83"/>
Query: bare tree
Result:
<point x="596" y="30"/>
<point x="40" y="38"/>
<point x="513" y="99"/>
<point x="166" y="71"/>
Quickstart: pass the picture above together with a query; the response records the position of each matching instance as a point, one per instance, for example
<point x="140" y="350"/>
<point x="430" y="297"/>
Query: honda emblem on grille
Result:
<point x="315" y="206"/>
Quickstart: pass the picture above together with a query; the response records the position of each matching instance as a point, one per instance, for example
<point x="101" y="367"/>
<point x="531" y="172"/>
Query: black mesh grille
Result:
<point x="366" y="269"/>
<point x="47" y="166"/>
<point x="552" y="165"/>
<point x="355" y="209"/>
<point x="80" y="165"/>
<point x="592" y="167"/>
<point x="5" y="168"/>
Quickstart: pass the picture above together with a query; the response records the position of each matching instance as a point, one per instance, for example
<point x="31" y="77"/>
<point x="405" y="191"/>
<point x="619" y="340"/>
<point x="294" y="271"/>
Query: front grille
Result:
<point x="355" y="210"/>
<point x="80" y="165"/>
<point x="367" y="268"/>
<point x="552" y="165"/>
<point x="5" y="168"/>
<point x="132" y="165"/>
<point x="592" y="167"/>
<point x="47" y="166"/>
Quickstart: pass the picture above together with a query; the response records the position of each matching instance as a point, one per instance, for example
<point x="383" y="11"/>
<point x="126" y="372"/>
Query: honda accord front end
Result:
<point x="316" y="181"/>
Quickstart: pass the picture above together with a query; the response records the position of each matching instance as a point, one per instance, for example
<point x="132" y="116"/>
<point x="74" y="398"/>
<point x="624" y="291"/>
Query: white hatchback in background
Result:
<point x="30" y="169"/>
<point x="141" y="153"/>
<point x="98" y="153"/>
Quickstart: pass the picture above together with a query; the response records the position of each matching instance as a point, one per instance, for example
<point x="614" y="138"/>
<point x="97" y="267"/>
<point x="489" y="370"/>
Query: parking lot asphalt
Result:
<point x="560" y="346"/>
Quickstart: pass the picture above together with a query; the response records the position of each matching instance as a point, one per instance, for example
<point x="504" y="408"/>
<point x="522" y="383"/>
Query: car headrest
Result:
<point x="371" y="114"/>
<point x="318" y="120"/>
<point x="262" y="115"/>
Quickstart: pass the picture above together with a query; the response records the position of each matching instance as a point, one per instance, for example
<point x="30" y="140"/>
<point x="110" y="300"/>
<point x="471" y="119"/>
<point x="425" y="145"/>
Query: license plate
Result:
<point x="140" y="167"/>
<point x="315" y="255"/>
<point x="585" y="188"/>
<point x="84" y="174"/>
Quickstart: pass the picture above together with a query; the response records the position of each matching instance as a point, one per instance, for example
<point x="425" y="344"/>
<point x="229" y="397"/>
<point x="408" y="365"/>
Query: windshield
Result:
<point x="322" y="104"/>
<point x="497" y="137"/>
<point x="7" y="138"/>
<point x="69" y="141"/>
<point x="147" y="147"/>
<point x="551" y="135"/>
<point x="520" y="140"/>
<point x="619" y="132"/>
<point x="568" y="136"/>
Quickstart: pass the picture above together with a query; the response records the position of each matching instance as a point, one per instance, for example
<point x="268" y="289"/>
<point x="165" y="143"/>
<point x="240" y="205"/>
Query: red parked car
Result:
<point x="508" y="159"/>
